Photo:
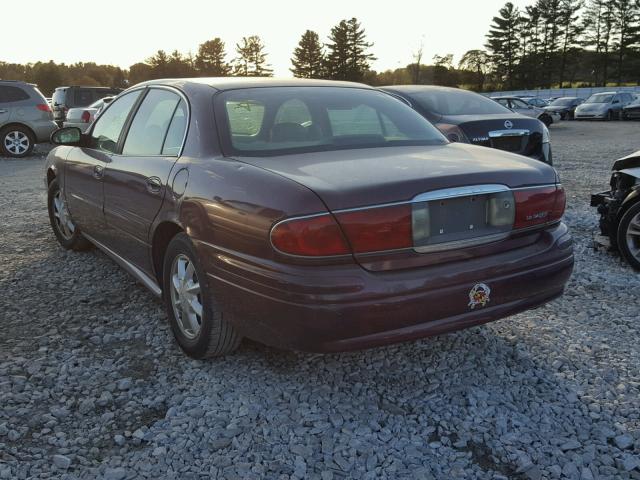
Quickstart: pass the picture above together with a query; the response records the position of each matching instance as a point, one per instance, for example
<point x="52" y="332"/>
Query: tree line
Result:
<point x="560" y="43"/>
<point x="549" y="43"/>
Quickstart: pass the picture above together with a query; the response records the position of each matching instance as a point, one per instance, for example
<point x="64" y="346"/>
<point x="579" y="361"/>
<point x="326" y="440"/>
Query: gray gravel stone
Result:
<point x="61" y="461"/>
<point x="94" y="375"/>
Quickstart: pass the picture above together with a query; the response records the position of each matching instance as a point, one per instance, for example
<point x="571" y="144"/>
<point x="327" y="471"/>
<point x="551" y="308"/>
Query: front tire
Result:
<point x="628" y="238"/>
<point x="200" y="326"/>
<point x="16" y="141"/>
<point x="65" y="230"/>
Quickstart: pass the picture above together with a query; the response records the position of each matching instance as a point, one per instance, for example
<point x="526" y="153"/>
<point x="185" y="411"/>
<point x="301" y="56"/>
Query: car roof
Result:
<point x="421" y="88"/>
<point x="19" y="82"/>
<point x="232" y="83"/>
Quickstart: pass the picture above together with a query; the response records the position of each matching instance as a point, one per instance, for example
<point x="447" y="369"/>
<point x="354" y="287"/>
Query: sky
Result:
<point x="124" y="32"/>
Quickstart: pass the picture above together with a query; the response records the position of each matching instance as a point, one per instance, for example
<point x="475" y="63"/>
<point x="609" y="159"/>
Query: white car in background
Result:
<point x="603" y="106"/>
<point x="82" y="117"/>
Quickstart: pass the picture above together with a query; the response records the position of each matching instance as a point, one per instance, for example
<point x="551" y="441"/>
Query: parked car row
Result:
<point x="27" y="117"/>
<point x="603" y="106"/>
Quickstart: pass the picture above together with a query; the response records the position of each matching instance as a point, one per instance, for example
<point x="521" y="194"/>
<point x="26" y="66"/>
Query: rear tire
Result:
<point x="200" y="326"/>
<point x="16" y="141"/>
<point x="67" y="232"/>
<point x="628" y="238"/>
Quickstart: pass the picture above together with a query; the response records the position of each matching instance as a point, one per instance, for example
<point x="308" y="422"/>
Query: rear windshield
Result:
<point x="457" y="102"/>
<point x="600" y="98"/>
<point x="282" y="120"/>
<point x="562" y="102"/>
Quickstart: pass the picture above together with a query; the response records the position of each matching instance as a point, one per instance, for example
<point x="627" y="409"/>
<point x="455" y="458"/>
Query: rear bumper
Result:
<point x="344" y="307"/>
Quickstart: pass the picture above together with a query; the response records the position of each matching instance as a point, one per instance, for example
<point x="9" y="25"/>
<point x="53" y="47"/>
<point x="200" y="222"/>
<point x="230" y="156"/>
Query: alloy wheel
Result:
<point x="61" y="215"/>
<point x="632" y="236"/>
<point x="186" y="298"/>
<point x="16" y="142"/>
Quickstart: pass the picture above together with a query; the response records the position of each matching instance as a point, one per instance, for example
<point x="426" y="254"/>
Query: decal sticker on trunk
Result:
<point x="479" y="295"/>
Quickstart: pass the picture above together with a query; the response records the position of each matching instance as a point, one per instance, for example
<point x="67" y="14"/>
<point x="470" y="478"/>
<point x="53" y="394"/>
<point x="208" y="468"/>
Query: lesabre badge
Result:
<point x="479" y="295"/>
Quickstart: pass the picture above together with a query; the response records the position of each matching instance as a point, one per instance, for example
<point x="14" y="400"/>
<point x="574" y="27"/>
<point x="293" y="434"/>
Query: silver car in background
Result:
<point x="25" y="118"/>
<point x="523" y="108"/>
<point x="84" y="116"/>
<point x="603" y="106"/>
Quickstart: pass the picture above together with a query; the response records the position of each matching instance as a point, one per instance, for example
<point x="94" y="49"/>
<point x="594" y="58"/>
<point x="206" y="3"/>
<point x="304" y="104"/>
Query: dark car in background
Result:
<point x="619" y="209"/>
<point x="25" y="118"/>
<point x="311" y="215"/>
<point x="468" y="117"/>
<point x="631" y="111"/>
<point x="564" y="106"/>
<point x="65" y="98"/>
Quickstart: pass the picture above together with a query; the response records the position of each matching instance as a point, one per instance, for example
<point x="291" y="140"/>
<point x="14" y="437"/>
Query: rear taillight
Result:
<point x="453" y="132"/>
<point x="311" y="236"/>
<point x="536" y="206"/>
<point x="85" y="117"/>
<point x="43" y="107"/>
<point x="378" y="229"/>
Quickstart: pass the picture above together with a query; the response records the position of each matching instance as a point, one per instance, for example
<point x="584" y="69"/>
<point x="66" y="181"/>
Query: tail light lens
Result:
<point x="312" y="237"/>
<point x="85" y="117"/>
<point x="453" y="132"/>
<point x="409" y="225"/>
<point x="377" y="229"/>
<point x="536" y="206"/>
<point x="43" y="107"/>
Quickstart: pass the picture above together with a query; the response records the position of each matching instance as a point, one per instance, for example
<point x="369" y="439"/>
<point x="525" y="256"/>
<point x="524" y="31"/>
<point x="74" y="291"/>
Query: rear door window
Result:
<point x="10" y="94"/>
<point x="175" y="134"/>
<point x="149" y="127"/>
<point x="83" y="97"/>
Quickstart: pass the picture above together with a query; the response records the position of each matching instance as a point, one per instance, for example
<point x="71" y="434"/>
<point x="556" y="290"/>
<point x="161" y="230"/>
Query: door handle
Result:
<point x="154" y="184"/>
<point x="3" y="111"/>
<point x="98" y="171"/>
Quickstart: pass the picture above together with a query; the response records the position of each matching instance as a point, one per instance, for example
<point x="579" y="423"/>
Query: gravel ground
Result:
<point x="92" y="385"/>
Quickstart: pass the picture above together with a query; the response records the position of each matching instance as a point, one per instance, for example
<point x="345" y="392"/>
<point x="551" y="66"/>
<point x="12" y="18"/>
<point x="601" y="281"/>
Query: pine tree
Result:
<point x="598" y="22"/>
<point x="348" y="57"/>
<point x="503" y="42"/>
<point x="627" y="16"/>
<point x="571" y="31"/>
<point x="210" y="60"/>
<point x="252" y="59"/>
<point x="308" y="57"/>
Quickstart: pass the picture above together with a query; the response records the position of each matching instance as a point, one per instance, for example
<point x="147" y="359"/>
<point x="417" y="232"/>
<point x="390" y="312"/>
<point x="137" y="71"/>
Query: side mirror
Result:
<point x="67" y="136"/>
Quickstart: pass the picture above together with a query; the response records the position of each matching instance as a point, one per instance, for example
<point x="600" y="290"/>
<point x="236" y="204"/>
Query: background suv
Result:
<point x="65" y="98"/>
<point x="25" y="118"/>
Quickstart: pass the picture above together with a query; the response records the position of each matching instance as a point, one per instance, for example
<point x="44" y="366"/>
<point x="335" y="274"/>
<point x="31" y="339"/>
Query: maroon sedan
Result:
<point x="310" y="215"/>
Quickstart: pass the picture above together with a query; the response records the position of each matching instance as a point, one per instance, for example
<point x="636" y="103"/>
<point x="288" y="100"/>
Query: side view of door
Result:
<point x="85" y="166"/>
<point x="135" y="180"/>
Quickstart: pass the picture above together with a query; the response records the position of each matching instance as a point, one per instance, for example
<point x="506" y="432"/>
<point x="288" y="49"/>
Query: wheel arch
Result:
<point x="23" y="125"/>
<point x="162" y="235"/>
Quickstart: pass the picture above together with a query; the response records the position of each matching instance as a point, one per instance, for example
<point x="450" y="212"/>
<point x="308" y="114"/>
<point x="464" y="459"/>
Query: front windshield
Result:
<point x="457" y="102"/>
<point x="600" y="98"/>
<point x="562" y="102"/>
<point x="283" y="120"/>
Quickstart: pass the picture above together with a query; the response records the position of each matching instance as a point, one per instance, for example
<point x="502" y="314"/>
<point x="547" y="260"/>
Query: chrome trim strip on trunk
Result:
<point x="509" y="133"/>
<point x="138" y="274"/>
